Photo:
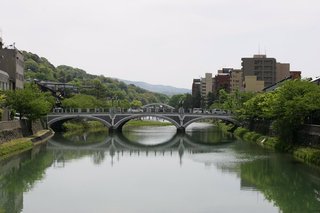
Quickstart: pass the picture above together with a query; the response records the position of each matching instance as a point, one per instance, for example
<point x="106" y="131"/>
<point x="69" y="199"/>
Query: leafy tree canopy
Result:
<point x="29" y="102"/>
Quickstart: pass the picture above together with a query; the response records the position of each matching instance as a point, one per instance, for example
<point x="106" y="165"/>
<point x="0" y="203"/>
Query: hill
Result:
<point x="167" y="90"/>
<point x="103" y="88"/>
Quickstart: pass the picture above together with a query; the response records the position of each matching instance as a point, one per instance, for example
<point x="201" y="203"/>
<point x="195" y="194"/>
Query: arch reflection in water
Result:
<point x="150" y="135"/>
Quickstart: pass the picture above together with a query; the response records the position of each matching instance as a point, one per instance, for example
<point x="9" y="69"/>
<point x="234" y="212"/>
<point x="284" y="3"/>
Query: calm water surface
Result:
<point x="154" y="170"/>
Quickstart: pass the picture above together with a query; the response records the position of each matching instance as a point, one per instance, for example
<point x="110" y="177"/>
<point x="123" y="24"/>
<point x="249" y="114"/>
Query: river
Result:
<point x="151" y="169"/>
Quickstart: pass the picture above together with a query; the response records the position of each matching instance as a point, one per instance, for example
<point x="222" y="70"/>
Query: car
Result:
<point x="197" y="110"/>
<point x="218" y="111"/>
<point x="135" y="110"/>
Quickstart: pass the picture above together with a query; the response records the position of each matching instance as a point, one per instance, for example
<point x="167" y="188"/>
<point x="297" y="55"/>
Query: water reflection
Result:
<point x="215" y="167"/>
<point x="20" y="174"/>
<point x="120" y="143"/>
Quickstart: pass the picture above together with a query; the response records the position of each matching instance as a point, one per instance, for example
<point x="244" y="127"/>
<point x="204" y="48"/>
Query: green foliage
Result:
<point x="293" y="103"/>
<point x="240" y="131"/>
<point x="14" y="146"/>
<point x="29" y="102"/>
<point x="82" y="125"/>
<point x="187" y="101"/>
<point x="233" y="101"/>
<point x="257" y="108"/>
<point x="147" y="123"/>
<point x="136" y="104"/>
<point x="308" y="155"/>
<point x="82" y="101"/>
<point x="177" y="100"/>
<point x="251" y="136"/>
<point x="265" y="141"/>
<point x="288" y="107"/>
<point x="2" y="101"/>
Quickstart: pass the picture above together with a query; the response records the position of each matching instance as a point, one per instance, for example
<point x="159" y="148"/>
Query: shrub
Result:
<point x="308" y="154"/>
<point x="240" y="132"/>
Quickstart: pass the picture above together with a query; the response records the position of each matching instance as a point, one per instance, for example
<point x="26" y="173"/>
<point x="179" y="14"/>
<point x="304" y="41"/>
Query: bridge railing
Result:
<point x="126" y="111"/>
<point x="109" y="110"/>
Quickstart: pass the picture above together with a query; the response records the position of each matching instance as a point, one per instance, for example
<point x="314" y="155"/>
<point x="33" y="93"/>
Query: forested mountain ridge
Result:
<point x="103" y="88"/>
<point x="167" y="90"/>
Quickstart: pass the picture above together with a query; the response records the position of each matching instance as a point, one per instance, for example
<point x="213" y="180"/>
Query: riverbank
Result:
<point x="19" y="145"/>
<point x="137" y="123"/>
<point x="303" y="153"/>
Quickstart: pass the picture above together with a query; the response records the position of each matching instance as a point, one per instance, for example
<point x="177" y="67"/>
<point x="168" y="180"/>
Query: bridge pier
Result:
<point x="181" y="130"/>
<point x="114" y="130"/>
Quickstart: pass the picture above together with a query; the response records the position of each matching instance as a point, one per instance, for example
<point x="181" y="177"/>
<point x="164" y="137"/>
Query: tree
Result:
<point x="136" y="104"/>
<point x="177" y="100"/>
<point x="29" y="102"/>
<point x="211" y="97"/>
<point x="288" y="107"/>
<point x="82" y="101"/>
<point x="293" y="103"/>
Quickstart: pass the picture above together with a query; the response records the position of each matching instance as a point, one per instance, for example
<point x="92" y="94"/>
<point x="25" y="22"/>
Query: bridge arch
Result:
<point x="69" y="117"/>
<point x="118" y="125"/>
<point x="223" y="118"/>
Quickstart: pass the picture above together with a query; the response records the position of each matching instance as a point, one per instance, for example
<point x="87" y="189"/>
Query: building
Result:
<point x="262" y="67"/>
<point x="235" y="77"/>
<point x="206" y="85"/>
<point x="196" y="87"/>
<point x="201" y="88"/>
<point x="222" y="81"/>
<point x="11" y="62"/>
<point x="225" y="70"/>
<point x="252" y="84"/>
<point x="4" y="80"/>
<point x="11" y="72"/>
<point x="282" y="71"/>
<point x="236" y="80"/>
<point x="295" y="74"/>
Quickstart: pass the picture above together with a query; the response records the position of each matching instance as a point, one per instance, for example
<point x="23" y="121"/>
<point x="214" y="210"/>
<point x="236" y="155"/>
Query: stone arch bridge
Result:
<point x="114" y="121"/>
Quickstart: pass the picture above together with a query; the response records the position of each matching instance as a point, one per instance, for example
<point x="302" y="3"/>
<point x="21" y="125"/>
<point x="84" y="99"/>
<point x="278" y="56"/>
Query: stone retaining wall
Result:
<point x="310" y="135"/>
<point x="10" y="130"/>
<point x="9" y="125"/>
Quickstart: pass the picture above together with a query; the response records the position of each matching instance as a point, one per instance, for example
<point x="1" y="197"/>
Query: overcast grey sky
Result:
<point x="166" y="42"/>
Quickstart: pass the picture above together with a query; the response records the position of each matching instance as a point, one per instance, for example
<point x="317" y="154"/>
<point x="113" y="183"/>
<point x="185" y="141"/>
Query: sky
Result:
<point x="168" y="42"/>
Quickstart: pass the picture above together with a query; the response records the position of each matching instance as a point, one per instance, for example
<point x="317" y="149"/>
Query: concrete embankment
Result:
<point x="307" y="150"/>
<point x="17" y="137"/>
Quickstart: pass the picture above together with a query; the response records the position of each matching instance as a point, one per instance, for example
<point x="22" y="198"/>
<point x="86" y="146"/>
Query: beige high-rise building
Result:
<point x="251" y="84"/>
<point x="236" y="80"/>
<point x="206" y="84"/>
<point x="283" y="71"/>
